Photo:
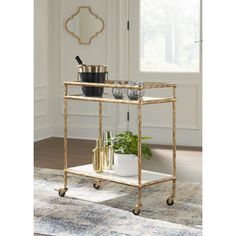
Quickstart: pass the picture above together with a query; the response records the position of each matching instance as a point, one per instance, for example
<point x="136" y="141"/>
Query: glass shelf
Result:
<point x="143" y="101"/>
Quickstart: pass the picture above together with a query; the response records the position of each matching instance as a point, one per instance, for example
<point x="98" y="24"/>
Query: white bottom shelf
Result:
<point x="148" y="177"/>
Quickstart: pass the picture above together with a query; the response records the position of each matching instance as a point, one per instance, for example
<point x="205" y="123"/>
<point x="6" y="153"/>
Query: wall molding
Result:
<point x="84" y="114"/>
<point x="186" y="127"/>
<point x="75" y="113"/>
<point x="40" y="115"/>
<point x="165" y="136"/>
<point x="40" y="93"/>
<point x="40" y="85"/>
<point x="79" y="132"/>
<point x="170" y="127"/>
<point x="41" y="109"/>
<point x="40" y="99"/>
<point x="42" y="133"/>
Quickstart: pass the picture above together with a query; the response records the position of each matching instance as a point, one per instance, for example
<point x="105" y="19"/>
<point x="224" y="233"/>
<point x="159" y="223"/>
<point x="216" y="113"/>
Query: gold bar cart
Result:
<point x="145" y="178"/>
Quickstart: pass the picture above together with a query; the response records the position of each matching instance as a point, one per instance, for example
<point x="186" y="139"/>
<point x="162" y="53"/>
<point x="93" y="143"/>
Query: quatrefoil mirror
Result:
<point x="84" y="25"/>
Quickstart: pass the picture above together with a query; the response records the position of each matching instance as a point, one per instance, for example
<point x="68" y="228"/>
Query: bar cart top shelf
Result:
<point x="109" y="84"/>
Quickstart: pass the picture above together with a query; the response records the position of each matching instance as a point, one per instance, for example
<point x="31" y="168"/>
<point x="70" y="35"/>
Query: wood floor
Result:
<point x="48" y="153"/>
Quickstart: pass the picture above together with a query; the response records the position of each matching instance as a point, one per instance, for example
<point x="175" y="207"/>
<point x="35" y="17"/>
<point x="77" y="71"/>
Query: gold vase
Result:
<point x="98" y="153"/>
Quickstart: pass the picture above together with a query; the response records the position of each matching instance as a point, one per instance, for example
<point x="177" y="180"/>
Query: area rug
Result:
<point x="107" y="211"/>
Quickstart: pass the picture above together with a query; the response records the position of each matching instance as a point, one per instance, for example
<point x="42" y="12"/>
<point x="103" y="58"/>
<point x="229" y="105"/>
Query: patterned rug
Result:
<point x="107" y="211"/>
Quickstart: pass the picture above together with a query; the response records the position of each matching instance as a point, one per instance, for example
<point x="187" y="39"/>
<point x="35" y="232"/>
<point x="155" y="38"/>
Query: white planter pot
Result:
<point x="125" y="164"/>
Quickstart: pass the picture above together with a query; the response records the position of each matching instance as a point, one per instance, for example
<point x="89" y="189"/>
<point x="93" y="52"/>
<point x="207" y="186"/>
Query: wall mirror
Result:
<point x="84" y="25"/>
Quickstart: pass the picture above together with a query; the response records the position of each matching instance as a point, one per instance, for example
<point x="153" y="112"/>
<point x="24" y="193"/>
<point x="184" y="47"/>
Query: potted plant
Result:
<point x="125" y="146"/>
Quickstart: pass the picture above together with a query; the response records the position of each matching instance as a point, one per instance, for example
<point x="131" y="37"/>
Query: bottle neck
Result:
<point x="98" y="143"/>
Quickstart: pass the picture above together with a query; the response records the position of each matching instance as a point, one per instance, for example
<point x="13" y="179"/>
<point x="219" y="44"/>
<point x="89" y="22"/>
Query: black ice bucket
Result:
<point x="92" y="74"/>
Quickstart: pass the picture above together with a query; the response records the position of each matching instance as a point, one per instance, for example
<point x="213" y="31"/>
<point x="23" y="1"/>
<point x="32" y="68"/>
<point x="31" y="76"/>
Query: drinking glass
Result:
<point x="135" y="94"/>
<point x="118" y="93"/>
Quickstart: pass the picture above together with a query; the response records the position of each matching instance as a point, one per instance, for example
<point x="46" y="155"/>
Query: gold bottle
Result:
<point x="108" y="156"/>
<point x="108" y="153"/>
<point x="98" y="157"/>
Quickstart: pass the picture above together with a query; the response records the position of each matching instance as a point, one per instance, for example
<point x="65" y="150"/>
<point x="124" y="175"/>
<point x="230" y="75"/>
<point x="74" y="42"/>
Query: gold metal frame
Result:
<point x="76" y="36"/>
<point x="139" y="103"/>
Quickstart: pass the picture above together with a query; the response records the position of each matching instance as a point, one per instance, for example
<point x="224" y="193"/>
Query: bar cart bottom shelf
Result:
<point x="148" y="178"/>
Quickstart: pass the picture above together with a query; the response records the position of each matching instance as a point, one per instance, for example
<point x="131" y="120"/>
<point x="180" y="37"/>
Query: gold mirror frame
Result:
<point x="77" y="13"/>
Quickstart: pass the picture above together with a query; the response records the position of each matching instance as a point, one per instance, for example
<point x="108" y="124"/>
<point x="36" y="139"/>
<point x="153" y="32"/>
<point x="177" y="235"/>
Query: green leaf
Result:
<point x="127" y="143"/>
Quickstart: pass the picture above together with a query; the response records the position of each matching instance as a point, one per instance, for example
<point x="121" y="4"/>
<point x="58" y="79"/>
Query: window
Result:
<point x="169" y="35"/>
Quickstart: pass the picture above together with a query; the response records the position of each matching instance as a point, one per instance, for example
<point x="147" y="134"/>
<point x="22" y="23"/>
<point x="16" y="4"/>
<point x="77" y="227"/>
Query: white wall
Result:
<point x="109" y="47"/>
<point x="42" y="114"/>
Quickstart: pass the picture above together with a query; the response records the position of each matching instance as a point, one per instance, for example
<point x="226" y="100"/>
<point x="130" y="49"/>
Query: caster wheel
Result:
<point x="62" y="192"/>
<point x="136" y="211"/>
<point x="96" y="186"/>
<point x="170" y="201"/>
